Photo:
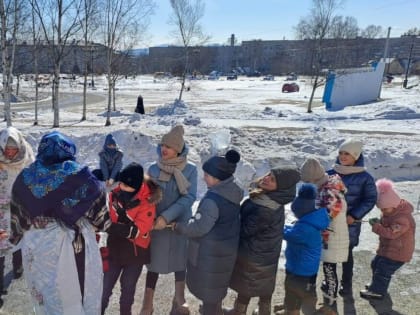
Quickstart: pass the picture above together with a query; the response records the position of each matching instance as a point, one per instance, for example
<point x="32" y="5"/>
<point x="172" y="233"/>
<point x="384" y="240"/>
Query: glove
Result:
<point x="124" y="230"/>
<point x="122" y="216"/>
<point x="121" y="213"/>
<point x="373" y="221"/>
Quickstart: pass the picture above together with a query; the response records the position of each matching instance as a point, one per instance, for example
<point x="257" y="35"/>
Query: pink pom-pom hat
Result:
<point x="387" y="196"/>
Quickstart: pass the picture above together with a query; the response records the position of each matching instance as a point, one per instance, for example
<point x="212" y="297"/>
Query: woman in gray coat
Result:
<point x="178" y="180"/>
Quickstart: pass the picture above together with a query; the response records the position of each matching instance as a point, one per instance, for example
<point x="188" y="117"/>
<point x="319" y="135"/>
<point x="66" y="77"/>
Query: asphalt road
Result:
<point x="67" y="100"/>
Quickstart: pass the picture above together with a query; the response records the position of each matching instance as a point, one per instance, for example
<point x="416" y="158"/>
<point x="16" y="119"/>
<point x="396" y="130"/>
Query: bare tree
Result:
<point x="343" y="27"/>
<point x="87" y="20"/>
<point x="36" y="31"/>
<point x="372" y="31"/>
<point x="59" y="24"/>
<point x="10" y="20"/>
<point x="123" y="22"/>
<point x="413" y="31"/>
<point x="186" y="16"/>
<point x="316" y="27"/>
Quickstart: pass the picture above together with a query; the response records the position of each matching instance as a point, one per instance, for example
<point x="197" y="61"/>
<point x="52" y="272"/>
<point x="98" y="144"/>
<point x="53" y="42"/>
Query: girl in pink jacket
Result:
<point x="396" y="230"/>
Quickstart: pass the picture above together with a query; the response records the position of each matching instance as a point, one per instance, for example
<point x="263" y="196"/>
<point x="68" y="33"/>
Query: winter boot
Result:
<point x="2" y="290"/>
<point x="346" y="289"/>
<point x="278" y="307"/>
<point x="238" y="309"/>
<point x="264" y="308"/>
<point x="179" y="305"/>
<point x="17" y="264"/>
<point x="326" y="310"/>
<point x="147" y="308"/>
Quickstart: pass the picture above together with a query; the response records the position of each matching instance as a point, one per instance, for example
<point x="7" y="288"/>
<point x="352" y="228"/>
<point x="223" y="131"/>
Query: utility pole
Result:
<point x="385" y="58"/>
<point x="386" y="51"/>
<point x="408" y="63"/>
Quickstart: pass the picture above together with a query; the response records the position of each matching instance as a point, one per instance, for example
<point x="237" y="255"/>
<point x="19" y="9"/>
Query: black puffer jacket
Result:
<point x="261" y="238"/>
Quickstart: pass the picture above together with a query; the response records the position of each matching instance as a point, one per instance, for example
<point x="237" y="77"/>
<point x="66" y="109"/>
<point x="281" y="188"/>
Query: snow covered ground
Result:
<point x="266" y="126"/>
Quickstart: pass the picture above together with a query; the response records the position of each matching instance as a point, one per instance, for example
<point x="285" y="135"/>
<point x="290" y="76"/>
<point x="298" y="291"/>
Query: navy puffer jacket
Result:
<point x="360" y="197"/>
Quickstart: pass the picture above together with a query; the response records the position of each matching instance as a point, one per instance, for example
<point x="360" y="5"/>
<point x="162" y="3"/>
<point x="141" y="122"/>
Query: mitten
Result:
<point x="122" y="216"/>
<point x="124" y="230"/>
<point x="373" y="221"/>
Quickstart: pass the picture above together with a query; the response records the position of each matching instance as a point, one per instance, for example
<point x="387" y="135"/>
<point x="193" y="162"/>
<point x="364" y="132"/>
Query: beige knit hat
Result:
<point x="353" y="147"/>
<point x="313" y="172"/>
<point x="174" y="138"/>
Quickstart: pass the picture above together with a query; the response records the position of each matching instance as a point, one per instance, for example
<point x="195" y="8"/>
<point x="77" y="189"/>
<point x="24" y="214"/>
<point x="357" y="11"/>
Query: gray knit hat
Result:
<point x="174" y="138"/>
<point x="286" y="177"/>
<point x="313" y="172"/>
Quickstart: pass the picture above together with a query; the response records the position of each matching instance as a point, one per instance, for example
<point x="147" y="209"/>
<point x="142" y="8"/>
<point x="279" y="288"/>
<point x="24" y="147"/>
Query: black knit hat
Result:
<point x="222" y="167"/>
<point x="132" y="175"/>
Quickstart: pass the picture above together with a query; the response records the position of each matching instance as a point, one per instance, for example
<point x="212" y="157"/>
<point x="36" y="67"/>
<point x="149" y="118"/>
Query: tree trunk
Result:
<point x="108" y="113"/>
<point x="85" y="79"/>
<point x="312" y="94"/>
<point x="113" y="97"/>
<point x="5" y="65"/>
<point x="56" y="88"/>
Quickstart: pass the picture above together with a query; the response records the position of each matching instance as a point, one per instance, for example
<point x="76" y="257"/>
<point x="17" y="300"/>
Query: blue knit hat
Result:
<point x="109" y="140"/>
<point x="304" y="203"/>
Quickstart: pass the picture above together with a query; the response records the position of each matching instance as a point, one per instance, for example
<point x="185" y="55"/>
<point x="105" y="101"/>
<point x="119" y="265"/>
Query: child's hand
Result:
<point x="3" y="235"/>
<point x="373" y="221"/>
<point x="109" y="182"/>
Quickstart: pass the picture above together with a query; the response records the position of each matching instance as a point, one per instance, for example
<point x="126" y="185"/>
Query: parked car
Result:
<point x="291" y="77"/>
<point x="232" y="76"/>
<point x="214" y="75"/>
<point x="290" y="87"/>
<point x="254" y="74"/>
<point x="269" y="77"/>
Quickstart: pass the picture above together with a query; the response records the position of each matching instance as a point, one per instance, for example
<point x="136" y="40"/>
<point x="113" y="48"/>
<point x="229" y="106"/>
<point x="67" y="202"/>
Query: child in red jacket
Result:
<point x="132" y="211"/>
<point x="396" y="230"/>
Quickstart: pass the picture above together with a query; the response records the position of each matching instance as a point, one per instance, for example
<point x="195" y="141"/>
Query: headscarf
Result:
<point x="55" y="148"/>
<point x="55" y="185"/>
<point x="25" y="152"/>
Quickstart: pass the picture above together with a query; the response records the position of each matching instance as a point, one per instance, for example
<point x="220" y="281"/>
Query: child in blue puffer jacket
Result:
<point x="303" y="251"/>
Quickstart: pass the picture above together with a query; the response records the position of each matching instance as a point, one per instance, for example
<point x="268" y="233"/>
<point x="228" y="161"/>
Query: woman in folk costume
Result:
<point x="331" y="195"/>
<point x="15" y="155"/>
<point x="56" y="206"/>
<point x="177" y="178"/>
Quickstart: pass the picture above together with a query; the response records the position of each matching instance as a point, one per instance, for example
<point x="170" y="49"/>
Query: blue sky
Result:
<point x="275" y="19"/>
